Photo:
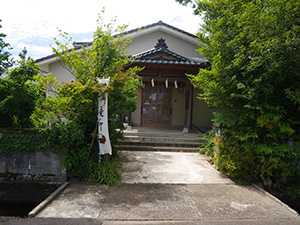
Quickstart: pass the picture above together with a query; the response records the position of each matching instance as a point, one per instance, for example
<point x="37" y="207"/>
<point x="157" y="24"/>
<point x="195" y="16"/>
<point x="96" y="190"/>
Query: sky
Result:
<point x="34" y="23"/>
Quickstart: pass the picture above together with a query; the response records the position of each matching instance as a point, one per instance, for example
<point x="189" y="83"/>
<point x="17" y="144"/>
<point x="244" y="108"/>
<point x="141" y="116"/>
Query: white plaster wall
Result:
<point x="178" y="111"/>
<point x="45" y="68"/>
<point x="202" y="114"/>
<point x="60" y="72"/>
<point x="136" y="115"/>
<point x="175" y="44"/>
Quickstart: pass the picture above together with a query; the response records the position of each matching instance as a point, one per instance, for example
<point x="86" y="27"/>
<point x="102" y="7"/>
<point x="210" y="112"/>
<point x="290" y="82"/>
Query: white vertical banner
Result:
<point x="103" y="132"/>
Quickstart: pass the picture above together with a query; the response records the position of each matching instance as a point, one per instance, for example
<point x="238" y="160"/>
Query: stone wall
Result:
<point x="32" y="166"/>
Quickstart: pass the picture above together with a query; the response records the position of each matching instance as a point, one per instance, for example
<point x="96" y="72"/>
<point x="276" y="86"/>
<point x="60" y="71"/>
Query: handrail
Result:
<point x="198" y="128"/>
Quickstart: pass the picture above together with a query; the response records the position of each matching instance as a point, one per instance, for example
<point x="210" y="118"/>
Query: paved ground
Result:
<point x="168" y="168"/>
<point x="164" y="188"/>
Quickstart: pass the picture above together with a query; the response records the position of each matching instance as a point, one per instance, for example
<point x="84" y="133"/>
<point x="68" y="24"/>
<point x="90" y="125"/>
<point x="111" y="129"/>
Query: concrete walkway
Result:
<point x="168" y="168"/>
<point x="165" y="188"/>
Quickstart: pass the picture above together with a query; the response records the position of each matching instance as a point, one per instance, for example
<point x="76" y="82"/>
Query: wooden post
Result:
<point x="187" y="106"/>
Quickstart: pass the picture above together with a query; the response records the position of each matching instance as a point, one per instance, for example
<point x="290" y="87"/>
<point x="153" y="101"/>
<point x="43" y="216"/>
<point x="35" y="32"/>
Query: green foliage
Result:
<point x="294" y="190"/>
<point x="69" y="140"/>
<point x="193" y="3"/>
<point x="21" y="141"/>
<point x="19" y="94"/>
<point x="258" y="161"/>
<point x="5" y="61"/>
<point x="209" y="138"/>
<point x="253" y="48"/>
<point x="72" y="113"/>
<point x="104" y="173"/>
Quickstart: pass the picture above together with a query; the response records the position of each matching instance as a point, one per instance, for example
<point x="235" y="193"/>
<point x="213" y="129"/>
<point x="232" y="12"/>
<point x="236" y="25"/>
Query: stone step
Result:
<point x="163" y="139"/>
<point x="172" y="135"/>
<point x="161" y="143"/>
<point x="156" y="148"/>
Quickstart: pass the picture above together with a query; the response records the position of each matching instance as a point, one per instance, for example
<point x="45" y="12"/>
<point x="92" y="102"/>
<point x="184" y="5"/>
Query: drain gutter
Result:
<point x="44" y="203"/>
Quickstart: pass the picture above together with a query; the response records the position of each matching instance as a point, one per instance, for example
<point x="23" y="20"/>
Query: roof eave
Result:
<point x="46" y="60"/>
<point x="174" y="62"/>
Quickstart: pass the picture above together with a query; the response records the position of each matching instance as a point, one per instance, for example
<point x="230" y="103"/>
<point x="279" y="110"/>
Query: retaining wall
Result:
<point x="32" y="166"/>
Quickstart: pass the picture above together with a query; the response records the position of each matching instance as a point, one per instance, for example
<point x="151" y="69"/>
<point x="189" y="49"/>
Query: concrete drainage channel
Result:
<point x="26" y="179"/>
<point x="44" y="203"/>
<point x="21" y="200"/>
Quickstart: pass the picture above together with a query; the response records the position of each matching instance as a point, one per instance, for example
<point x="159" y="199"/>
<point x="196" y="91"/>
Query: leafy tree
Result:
<point x="253" y="48"/>
<point x="18" y="94"/>
<point x="75" y="106"/>
<point x="5" y="61"/>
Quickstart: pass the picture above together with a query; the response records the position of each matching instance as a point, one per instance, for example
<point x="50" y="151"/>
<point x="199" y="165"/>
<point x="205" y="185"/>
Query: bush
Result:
<point x="253" y="81"/>
<point x="255" y="162"/>
<point x="19" y="94"/>
<point x="209" y="147"/>
<point x="19" y="140"/>
<point x="68" y="121"/>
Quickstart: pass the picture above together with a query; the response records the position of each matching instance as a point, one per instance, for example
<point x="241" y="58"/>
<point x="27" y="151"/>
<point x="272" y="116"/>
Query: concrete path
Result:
<point x="168" y="168"/>
<point x="165" y="188"/>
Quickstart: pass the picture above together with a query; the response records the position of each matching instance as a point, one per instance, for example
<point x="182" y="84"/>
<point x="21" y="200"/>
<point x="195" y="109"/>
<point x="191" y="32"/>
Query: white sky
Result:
<point x="33" y="23"/>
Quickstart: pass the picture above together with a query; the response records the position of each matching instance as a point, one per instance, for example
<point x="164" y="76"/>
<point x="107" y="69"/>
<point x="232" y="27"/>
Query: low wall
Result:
<point x="37" y="166"/>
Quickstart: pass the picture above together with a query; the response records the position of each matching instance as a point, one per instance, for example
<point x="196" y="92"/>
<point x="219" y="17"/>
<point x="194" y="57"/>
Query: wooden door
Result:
<point x="156" y="106"/>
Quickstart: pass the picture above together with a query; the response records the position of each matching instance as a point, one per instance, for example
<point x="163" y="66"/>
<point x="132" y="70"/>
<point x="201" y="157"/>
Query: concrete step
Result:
<point x="161" y="143"/>
<point x="151" y="141"/>
<point x="163" y="139"/>
<point x="157" y="148"/>
<point x="173" y="135"/>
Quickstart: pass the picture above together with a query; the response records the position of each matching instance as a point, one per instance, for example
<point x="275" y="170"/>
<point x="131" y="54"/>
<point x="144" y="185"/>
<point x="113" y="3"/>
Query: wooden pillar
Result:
<point x="187" y="108"/>
<point x="129" y="119"/>
<point x="129" y="122"/>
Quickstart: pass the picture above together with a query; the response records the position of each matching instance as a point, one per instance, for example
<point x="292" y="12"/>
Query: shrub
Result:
<point x="19" y="94"/>
<point x="69" y="120"/>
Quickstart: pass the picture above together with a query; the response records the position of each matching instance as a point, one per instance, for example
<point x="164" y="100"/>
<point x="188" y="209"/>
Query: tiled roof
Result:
<point x="45" y="58"/>
<point x="80" y="45"/>
<point x="158" y="50"/>
<point x="161" y="47"/>
<point x="172" y="62"/>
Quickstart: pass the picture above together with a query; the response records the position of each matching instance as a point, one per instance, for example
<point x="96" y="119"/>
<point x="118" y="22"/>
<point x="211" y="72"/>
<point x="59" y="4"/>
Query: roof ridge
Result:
<point x="160" y="49"/>
<point x="160" y="22"/>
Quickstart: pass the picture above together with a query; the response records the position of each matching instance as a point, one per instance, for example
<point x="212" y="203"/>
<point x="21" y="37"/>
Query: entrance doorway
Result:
<point x="156" y="106"/>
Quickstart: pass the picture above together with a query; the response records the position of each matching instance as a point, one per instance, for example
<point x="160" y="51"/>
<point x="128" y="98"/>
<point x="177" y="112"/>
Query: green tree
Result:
<point x="253" y="48"/>
<point x="5" y="61"/>
<point x="19" y="93"/>
<point x="75" y="106"/>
